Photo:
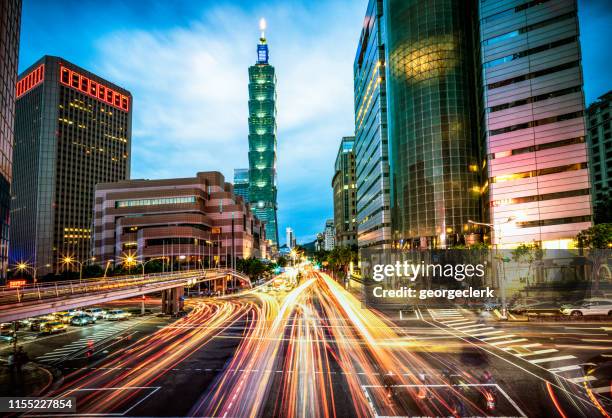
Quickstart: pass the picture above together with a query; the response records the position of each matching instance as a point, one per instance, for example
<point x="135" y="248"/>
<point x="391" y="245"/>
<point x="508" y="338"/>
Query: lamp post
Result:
<point x="22" y="266"/>
<point x="69" y="260"/>
<point x="497" y="229"/>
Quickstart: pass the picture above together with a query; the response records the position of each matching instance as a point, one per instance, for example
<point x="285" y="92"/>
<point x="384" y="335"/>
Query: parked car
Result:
<point x="116" y="315"/>
<point x="542" y="309"/>
<point x="97" y="313"/>
<point x="591" y="306"/>
<point x="6" y="328"/>
<point x="82" y="319"/>
<point x="64" y="317"/>
<point x="53" y="327"/>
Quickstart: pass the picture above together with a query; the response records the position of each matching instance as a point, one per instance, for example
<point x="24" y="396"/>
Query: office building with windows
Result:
<point x="196" y="221"/>
<point x="72" y="131"/>
<point x="345" y="194"/>
<point x="10" y="17"/>
<point x="435" y="145"/>
<point x="290" y="238"/>
<point x="241" y="183"/>
<point x="600" y="146"/>
<point x="262" y="140"/>
<point x="329" y="235"/>
<point x="539" y="188"/>
<point x="371" y="149"/>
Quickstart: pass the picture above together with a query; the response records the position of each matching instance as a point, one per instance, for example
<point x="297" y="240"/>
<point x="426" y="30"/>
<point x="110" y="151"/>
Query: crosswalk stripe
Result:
<point x="480" y="334"/>
<point x="565" y="369"/>
<point x="475" y="325"/>
<point x="497" y="337"/>
<point x="452" y="322"/>
<point x="518" y="340"/>
<point x="535" y="353"/>
<point x="531" y="345"/>
<point x="462" y="322"/>
<point x="582" y="379"/>
<point x="600" y="390"/>
<point x="551" y="359"/>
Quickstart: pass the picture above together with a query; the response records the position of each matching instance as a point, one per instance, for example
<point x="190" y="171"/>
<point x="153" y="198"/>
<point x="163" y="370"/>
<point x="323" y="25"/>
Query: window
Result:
<point x="530" y="51"/>
<point x="155" y="201"/>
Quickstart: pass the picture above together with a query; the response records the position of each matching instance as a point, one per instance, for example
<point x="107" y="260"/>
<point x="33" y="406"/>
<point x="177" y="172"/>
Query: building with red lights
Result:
<point x="197" y="222"/>
<point x="72" y="131"/>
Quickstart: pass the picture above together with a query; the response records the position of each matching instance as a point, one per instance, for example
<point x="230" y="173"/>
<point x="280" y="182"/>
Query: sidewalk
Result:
<point x="32" y="381"/>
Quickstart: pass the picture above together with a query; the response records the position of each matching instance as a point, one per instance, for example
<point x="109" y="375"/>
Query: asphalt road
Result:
<point x="314" y="351"/>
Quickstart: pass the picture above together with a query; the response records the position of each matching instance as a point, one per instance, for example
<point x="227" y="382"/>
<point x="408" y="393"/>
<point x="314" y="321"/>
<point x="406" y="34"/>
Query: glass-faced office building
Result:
<point x="600" y="145"/>
<point x="241" y="183"/>
<point x="434" y="138"/>
<point x="10" y="22"/>
<point x="72" y="131"/>
<point x="345" y="194"/>
<point x="538" y="173"/>
<point x="370" y="148"/>
<point x="262" y="141"/>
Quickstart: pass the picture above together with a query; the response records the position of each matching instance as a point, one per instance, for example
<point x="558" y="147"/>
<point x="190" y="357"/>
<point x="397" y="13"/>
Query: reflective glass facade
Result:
<point x="534" y="122"/>
<point x="600" y="144"/>
<point x="371" y="147"/>
<point x="241" y="183"/>
<point x="72" y="131"/>
<point x="262" y="142"/>
<point x="345" y="194"/>
<point x="434" y="140"/>
<point x="10" y="20"/>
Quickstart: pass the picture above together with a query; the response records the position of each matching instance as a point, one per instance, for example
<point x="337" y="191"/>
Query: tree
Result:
<point x="282" y="261"/>
<point x="340" y="258"/>
<point x="528" y="253"/>
<point x="598" y="240"/>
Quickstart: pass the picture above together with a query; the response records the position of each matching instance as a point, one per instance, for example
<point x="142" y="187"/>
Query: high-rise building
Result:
<point x="10" y="18"/>
<point x="196" y="221"/>
<point x="371" y="148"/>
<point x="534" y="109"/>
<point x="290" y="238"/>
<point x="241" y="183"/>
<point x="262" y="139"/>
<point x="345" y="193"/>
<point x="72" y="131"/>
<point x="434" y="139"/>
<point x="329" y="235"/>
<point x="600" y="145"/>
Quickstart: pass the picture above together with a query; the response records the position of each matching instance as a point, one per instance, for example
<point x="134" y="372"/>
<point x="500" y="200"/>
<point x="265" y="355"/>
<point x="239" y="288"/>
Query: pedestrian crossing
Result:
<point x="562" y="365"/>
<point x="103" y="332"/>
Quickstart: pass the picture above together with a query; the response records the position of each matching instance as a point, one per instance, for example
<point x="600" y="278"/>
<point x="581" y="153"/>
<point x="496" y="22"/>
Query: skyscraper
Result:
<point x="241" y="183"/>
<point x="290" y="238"/>
<point x="371" y="147"/>
<point x="10" y="22"/>
<point x="434" y="141"/>
<point x="329" y="235"/>
<point x="345" y="193"/>
<point x="262" y="139"/>
<point x="600" y="144"/>
<point x="538" y="175"/>
<point x="72" y="131"/>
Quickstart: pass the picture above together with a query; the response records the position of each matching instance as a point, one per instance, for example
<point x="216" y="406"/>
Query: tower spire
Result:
<point x="262" y="47"/>
<point x="262" y="28"/>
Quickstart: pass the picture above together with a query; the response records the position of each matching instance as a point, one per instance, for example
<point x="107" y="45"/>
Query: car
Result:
<point x="591" y="306"/>
<point x="116" y="315"/>
<point x="53" y="327"/>
<point x="36" y="323"/>
<point x="6" y="338"/>
<point x="64" y="317"/>
<point x="96" y="313"/>
<point x="520" y="306"/>
<point x="547" y="308"/>
<point x="82" y="319"/>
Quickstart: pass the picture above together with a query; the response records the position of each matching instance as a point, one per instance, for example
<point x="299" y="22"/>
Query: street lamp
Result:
<point x="69" y="260"/>
<point x="497" y="229"/>
<point x="23" y="266"/>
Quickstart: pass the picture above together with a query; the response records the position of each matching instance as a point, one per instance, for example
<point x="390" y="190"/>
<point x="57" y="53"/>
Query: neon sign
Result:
<point x="94" y="89"/>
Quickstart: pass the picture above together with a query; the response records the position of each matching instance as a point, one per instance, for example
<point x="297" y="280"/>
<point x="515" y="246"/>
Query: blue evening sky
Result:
<point x="186" y="62"/>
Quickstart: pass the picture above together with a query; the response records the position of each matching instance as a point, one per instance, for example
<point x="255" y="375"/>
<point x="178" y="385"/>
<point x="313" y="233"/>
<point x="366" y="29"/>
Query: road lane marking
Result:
<point x="600" y="390"/>
<point x="582" y="379"/>
<point x="551" y="359"/>
<point x="497" y="337"/>
<point x="538" y="352"/>
<point x="565" y="368"/>
<point x="517" y="340"/>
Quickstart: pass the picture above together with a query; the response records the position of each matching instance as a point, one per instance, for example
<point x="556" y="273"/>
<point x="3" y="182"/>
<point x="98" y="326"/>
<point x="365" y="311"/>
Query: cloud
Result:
<point x="190" y="96"/>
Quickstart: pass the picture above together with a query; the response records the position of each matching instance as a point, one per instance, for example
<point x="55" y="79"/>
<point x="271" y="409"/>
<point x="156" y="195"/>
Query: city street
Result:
<point x="314" y="351"/>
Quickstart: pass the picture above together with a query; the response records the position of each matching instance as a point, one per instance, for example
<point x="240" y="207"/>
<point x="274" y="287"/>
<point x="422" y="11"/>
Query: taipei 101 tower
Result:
<point x="262" y="139"/>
